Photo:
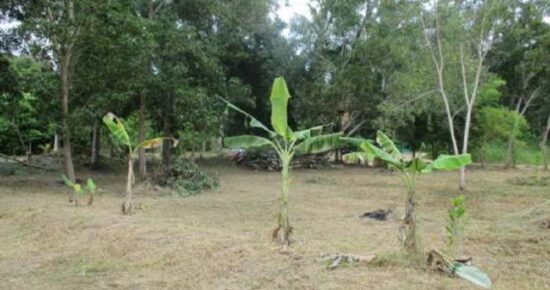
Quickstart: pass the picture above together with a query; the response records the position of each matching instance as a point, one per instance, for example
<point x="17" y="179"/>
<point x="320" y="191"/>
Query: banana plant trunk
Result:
<point x="408" y="227"/>
<point x="127" y="205"/>
<point x="283" y="230"/>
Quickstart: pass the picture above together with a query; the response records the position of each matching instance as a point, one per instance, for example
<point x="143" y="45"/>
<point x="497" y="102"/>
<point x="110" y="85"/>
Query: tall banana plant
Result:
<point x="410" y="168"/>
<point x="286" y="143"/>
<point x="121" y="137"/>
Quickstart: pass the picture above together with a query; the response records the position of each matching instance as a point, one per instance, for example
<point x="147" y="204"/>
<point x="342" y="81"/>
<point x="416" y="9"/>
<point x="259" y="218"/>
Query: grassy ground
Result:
<point x="221" y="239"/>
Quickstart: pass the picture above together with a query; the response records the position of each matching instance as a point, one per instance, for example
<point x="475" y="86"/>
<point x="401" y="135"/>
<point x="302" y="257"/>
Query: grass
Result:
<point x="528" y="153"/>
<point x="222" y="239"/>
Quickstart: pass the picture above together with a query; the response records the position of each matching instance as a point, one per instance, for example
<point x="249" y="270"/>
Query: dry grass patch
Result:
<point x="221" y="239"/>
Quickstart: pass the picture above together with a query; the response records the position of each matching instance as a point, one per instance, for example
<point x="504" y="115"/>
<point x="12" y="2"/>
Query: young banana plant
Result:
<point x="286" y="143"/>
<point x="120" y="136"/>
<point x="409" y="169"/>
<point x="80" y="190"/>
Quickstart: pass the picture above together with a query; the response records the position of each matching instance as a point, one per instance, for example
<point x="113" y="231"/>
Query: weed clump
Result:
<point x="186" y="178"/>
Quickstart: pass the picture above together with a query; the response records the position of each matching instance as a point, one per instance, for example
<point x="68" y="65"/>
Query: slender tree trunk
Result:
<point x="127" y="205"/>
<point x="96" y="147"/>
<point x="284" y="229"/>
<point x="142" y="160"/>
<point x="29" y="153"/>
<point x="510" y="151"/>
<point x="55" y="142"/>
<point x="408" y="227"/>
<point x="67" y="149"/>
<point x="543" y="146"/>
<point x="166" y="146"/>
<point x="19" y="136"/>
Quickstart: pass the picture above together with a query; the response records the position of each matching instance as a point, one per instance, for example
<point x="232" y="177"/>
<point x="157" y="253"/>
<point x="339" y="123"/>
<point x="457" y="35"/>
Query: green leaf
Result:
<point x="253" y="121"/>
<point x="90" y="185"/>
<point x="319" y="144"/>
<point x="67" y="181"/>
<point x="117" y="129"/>
<point x="449" y="162"/>
<point x="387" y="144"/>
<point x="472" y="274"/>
<point x="308" y="133"/>
<point x="77" y="188"/>
<point x="355" y="141"/>
<point x="246" y="142"/>
<point x="355" y="157"/>
<point x="279" y="105"/>
<point x="383" y="155"/>
<point x="417" y="165"/>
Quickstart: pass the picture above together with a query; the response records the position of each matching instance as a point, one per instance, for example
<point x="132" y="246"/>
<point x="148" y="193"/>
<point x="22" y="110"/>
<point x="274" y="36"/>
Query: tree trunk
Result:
<point x="543" y="146"/>
<point x="29" y="153"/>
<point x="142" y="160"/>
<point x="408" y="227"/>
<point x="283" y="231"/>
<point x="96" y="146"/>
<point x="127" y="205"/>
<point x="511" y="150"/>
<point x="55" y="142"/>
<point x="67" y="150"/>
<point x="166" y="146"/>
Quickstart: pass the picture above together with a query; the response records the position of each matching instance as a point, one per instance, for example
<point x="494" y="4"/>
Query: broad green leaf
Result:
<point x="67" y="181"/>
<point x="387" y="144"/>
<point x="355" y="141"/>
<point x="319" y="144"/>
<point x="355" y="157"/>
<point x="253" y="121"/>
<point x="246" y="142"/>
<point x="383" y="155"/>
<point x="416" y="165"/>
<point x="473" y="274"/>
<point x="117" y="129"/>
<point x="77" y="188"/>
<point x="279" y="105"/>
<point x="90" y="185"/>
<point x="449" y="162"/>
<point x="308" y="133"/>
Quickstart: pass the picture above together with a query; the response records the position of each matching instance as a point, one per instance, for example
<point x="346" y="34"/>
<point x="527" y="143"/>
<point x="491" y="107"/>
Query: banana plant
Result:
<point x="410" y="168"/>
<point x="286" y="143"/>
<point x="80" y="190"/>
<point x="121" y="137"/>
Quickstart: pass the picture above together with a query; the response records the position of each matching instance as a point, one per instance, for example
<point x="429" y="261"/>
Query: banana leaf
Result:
<point x="118" y="132"/>
<point x="449" y="162"/>
<point x="319" y="144"/>
<point x="247" y="142"/>
<point x="472" y="274"/>
<point x="279" y="107"/>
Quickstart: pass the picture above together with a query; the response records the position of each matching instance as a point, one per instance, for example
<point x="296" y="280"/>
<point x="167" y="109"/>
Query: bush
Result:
<point x="186" y="178"/>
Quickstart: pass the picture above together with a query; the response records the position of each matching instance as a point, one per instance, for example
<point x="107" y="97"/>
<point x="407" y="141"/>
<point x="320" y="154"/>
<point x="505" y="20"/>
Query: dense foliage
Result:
<point x="357" y="66"/>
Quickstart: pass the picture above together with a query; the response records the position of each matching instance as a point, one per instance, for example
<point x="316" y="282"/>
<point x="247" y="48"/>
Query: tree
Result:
<point x="55" y="27"/>
<point x="468" y="27"/>
<point x="287" y="144"/>
<point x="519" y="56"/>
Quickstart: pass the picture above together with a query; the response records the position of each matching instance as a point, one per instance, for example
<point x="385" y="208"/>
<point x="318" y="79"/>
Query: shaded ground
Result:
<point x="221" y="239"/>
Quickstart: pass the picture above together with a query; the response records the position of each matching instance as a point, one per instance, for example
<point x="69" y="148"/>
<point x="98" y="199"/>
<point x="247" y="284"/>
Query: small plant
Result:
<point x="80" y="191"/>
<point x="454" y="227"/>
<point x="286" y="143"/>
<point x="120" y="136"/>
<point x="409" y="168"/>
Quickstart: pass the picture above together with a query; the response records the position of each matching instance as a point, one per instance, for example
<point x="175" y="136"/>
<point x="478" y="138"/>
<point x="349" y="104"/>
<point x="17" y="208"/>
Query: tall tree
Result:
<point x="461" y="33"/>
